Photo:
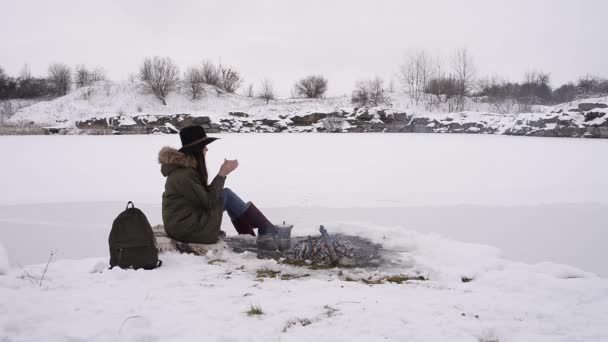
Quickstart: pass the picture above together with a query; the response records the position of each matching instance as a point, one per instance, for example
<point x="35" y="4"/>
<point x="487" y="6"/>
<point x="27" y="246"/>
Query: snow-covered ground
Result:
<point x="541" y="202"/>
<point x="107" y="99"/>
<point x="125" y="98"/>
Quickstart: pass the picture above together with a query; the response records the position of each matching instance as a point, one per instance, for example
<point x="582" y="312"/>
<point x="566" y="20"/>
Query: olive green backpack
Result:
<point x="132" y="243"/>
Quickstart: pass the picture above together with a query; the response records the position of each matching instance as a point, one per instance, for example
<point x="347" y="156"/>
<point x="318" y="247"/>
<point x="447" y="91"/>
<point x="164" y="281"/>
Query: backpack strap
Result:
<point x="132" y="205"/>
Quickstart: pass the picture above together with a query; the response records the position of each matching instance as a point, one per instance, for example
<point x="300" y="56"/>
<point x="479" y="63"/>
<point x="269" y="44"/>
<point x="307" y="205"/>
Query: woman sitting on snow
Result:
<point x="193" y="208"/>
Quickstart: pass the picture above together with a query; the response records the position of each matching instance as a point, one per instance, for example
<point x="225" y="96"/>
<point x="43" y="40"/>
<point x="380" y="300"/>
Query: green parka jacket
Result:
<point x="191" y="213"/>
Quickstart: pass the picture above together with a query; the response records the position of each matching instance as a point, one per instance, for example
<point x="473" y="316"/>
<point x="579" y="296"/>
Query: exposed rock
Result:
<point x="268" y="122"/>
<point x="334" y="125"/>
<point x="145" y="124"/>
<point x="585" y="107"/>
<point x="579" y="123"/>
<point x="309" y="119"/>
<point x="593" y="115"/>
<point x="363" y="114"/>
<point x="389" y="117"/>
<point x="168" y="129"/>
<point x="92" y="124"/>
<point x="55" y="130"/>
<point x="239" y="114"/>
<point x="200" y="120"/>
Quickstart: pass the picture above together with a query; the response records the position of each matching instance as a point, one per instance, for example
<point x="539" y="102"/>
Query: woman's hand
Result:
<point x="228" y="166"/>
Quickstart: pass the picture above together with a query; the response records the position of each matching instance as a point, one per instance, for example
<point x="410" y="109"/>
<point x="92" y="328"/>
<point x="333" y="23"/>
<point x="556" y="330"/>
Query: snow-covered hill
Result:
<point x="109" y="108"/>
<point x="124" y="98"/>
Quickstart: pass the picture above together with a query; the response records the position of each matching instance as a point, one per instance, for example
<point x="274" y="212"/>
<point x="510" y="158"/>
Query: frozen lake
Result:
<point x="537" y="199"/>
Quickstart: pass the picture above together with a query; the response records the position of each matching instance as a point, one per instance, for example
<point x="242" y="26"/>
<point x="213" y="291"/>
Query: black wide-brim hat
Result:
<point x="192" y="136"/>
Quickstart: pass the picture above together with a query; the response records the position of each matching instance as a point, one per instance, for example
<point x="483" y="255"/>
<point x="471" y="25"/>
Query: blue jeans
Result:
<point x="233" y="204"/>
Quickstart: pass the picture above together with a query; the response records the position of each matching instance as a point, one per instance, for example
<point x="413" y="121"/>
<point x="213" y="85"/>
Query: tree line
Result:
<point x="426" y="79"/>
<point x="156" y="75"/>
<point x="160" y="76"/>
<point x="59" y="81"/>
<point x="448" y="85"/>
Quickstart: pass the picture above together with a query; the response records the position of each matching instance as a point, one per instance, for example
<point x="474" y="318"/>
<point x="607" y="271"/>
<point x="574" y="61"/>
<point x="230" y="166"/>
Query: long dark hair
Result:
<point x="201" y="164"/>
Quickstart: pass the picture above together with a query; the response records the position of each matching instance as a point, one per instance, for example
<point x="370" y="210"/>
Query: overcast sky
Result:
<point x="283" y="40"/>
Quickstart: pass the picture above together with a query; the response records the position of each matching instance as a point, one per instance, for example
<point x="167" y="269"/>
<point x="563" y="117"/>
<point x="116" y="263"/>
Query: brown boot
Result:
<point x="242" y="226"/>
<point x="256" y="219"/>
<point x="267" y="232"/>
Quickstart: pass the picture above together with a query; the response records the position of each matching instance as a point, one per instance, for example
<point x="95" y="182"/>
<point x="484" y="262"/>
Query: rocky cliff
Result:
<point x="586" y="120"/>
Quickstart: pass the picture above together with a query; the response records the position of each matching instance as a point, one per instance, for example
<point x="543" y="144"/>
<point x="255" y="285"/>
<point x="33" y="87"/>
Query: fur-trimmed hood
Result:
<point x="171" y="159"/>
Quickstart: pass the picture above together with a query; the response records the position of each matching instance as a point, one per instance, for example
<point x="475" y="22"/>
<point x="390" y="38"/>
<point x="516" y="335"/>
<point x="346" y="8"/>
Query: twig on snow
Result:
<point x="47" y="266"/>
<point x="125" y="321"/>
<point x="27" y="275"/>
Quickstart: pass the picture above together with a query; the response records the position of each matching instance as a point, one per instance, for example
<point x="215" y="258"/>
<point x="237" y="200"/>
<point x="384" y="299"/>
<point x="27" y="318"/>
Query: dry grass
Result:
<point x="395" y="279"/>
<point x="301" y="321"/>
<point x="466" y="279"/>
<point x="288" y="276"/>
<point x="255" y="310"/>
<point x="302" y="263"/>
<point x="267" y="273"/>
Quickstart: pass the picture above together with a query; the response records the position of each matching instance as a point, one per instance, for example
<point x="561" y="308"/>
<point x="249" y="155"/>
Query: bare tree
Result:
<point x="377" y="96"/>
<point x="25" y="74"/>
<point x="194" y="82"/>
<point x="266" y="90"/>
<point x="414" y="74"/>
<point x="311" y="87"/>
<point x="534" y="91"/>
<point x="60" y="78"/>
<point x="230" y="79"/>
<point x="369" y="92"/>
<point x="4" y="78"/>
<point x="7" y="85"/>
<point x="28" y="86"/>
<point x="211" y="73"/>
<point x="464" y="71"/>
<point x="159" y="76"/>
<point x="592" y="85"/>
<point x="107" y="87"/>
<point x="391" y="86"/>
<point x="133" y="78"/>
<point x="361" y="94"/>
<point x="444" y="89"/>
<point x="249" y="91"/>
<point x="97" y="75"/>
<point x="81" y="76"/>
<point x="500" y="94"/>
<point x="7" y="110"/>
<point x="565" y="93"/>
